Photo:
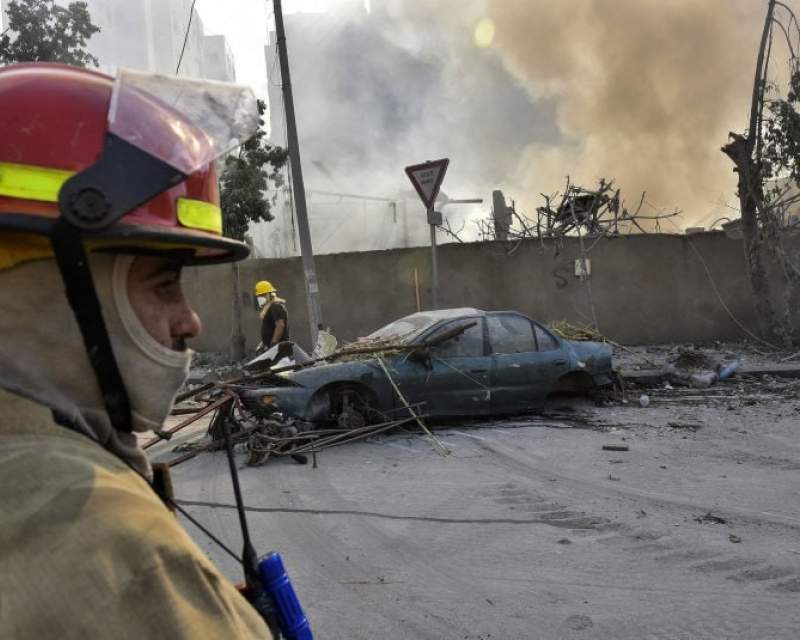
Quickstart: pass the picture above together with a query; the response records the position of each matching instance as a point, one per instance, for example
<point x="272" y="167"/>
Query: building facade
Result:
<point x="149" y="35"/>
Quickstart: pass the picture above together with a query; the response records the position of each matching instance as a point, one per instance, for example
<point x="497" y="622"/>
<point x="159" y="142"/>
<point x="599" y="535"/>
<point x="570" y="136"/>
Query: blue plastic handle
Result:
<point x="294" y="624"/>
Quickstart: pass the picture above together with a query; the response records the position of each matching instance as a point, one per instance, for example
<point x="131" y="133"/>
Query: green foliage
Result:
<point x="244" y="181"/>
<point x="41" y="31"/>
<point x="781" y="133"/>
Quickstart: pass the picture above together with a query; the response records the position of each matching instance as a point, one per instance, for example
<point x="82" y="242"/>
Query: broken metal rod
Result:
<point x="166" y="435"/>
<point x="440" y="448"/>
<point x="313" y="446"/>
<point x="209" y="447"/>
<point x="320" y="443"/>
<point x="351" y="436"/>
<point x="183" y="411"/>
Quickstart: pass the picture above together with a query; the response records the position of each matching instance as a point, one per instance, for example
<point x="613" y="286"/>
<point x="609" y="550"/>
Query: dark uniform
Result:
<point x="274" y="313"/>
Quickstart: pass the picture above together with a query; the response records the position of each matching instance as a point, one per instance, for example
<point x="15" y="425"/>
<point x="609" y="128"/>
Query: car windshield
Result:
<point x="404" y="329"/>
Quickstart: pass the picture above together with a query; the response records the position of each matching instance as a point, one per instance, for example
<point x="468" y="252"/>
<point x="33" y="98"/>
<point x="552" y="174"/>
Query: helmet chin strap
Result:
<point x="73" y="263"/>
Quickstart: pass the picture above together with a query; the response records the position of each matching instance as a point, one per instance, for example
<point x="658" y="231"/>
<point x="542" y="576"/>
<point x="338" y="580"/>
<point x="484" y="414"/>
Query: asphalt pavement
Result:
<point x="530" y="529"/>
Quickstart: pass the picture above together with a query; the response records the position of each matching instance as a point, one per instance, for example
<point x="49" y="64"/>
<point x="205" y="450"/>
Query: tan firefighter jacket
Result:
<point x="87" y="550"/>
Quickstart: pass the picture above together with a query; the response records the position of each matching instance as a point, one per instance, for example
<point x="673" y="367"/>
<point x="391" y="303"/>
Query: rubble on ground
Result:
<point x="680" y="389"/>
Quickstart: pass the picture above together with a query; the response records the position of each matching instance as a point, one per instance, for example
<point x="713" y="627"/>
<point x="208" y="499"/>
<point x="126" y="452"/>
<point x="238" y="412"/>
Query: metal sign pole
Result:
<point x="427" y="179"/>
<point x="434" y="264"/>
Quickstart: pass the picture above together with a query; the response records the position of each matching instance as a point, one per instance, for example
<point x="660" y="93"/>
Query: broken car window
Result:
<point x="467" y="344"/>
<point x="545" y="340"/>
<point x="403" y="328"/>
<point x="510" y="334"/>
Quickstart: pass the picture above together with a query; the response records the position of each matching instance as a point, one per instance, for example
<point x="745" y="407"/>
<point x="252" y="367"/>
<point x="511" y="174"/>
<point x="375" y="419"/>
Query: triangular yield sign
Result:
<point x="427" y="179"/>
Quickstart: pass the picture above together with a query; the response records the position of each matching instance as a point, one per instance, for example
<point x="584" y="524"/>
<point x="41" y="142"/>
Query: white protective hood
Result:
<point x="43" y="356"/>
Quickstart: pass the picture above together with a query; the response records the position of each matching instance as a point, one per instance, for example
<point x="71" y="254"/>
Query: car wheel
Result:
<point x="350" y="407"/>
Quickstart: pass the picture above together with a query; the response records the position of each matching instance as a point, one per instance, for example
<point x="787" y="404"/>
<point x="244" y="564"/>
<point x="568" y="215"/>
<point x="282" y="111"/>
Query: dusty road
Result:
<point x="530" y="530"/>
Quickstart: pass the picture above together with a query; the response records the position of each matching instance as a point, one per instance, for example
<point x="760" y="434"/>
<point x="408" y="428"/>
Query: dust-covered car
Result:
<point x="449" y="363"/>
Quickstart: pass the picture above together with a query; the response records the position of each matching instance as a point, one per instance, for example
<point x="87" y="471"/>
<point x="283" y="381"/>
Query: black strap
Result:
<point x="123" y="178"/>
<point x="80" y="290"/>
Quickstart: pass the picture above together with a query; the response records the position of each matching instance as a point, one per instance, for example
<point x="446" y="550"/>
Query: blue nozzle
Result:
<point x="293" y="622"/>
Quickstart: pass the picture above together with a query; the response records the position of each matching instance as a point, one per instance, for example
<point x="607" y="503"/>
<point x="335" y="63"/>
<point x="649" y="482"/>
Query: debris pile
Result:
<point x="265" y="438"/>
<point x="572" y="332"/>
<point x="285" y="436"/>
<point x="693" y="368"/>
<point x="577" y="211"/>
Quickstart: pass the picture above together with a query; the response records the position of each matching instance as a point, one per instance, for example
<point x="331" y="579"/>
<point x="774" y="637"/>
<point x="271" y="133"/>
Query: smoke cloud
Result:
<point x="521" y="93"/>
<point x="646" y="92"/>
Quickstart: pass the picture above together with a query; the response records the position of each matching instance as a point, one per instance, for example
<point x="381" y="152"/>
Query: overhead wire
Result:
<point x="185" y="37"/>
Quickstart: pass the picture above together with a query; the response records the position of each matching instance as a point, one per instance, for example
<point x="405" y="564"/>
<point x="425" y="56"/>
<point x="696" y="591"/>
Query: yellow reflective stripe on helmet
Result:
<point x="28" y="182"/>
<point x="197" y="214"/>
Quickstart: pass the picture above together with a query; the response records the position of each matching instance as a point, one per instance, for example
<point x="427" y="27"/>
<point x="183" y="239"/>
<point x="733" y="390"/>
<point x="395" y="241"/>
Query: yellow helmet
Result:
<point x="264" y="287"/>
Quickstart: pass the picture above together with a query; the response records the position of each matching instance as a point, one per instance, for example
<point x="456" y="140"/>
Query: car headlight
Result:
<point x="269" y="400"/>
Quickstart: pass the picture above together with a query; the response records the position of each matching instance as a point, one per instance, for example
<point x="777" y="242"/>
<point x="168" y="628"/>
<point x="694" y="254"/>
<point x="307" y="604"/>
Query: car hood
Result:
<point x="321" y="374"/>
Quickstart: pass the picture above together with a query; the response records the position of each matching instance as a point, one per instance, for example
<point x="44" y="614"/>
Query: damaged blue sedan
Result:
<point x="451" y="363"/>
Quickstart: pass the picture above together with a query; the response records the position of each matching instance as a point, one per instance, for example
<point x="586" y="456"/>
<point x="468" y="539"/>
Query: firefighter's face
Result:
<point x="155" y="293"/>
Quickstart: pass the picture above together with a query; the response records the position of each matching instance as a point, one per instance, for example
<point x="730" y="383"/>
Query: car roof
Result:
<point x="446" y="314"/>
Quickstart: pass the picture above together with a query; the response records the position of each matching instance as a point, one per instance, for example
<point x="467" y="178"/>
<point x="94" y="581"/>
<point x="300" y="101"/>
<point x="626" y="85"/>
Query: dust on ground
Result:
<point x="746" y="354"/>
<point x="531" y="529"/>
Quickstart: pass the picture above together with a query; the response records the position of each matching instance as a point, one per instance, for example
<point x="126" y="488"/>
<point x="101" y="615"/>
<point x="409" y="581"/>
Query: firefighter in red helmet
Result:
<point x="107" y="188"/>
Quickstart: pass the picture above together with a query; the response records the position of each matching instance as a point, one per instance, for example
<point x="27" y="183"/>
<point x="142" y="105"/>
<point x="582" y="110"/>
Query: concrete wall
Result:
<point x="646" y="288"/>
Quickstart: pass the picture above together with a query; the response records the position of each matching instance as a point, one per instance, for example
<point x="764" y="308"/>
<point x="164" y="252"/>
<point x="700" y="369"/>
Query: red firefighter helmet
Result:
<point x="54" y="124"/>
<point x="89" y="162"/>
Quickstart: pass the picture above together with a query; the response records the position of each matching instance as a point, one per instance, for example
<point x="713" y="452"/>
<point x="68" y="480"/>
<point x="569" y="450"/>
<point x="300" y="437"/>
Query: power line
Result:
<point x="271" y="74"/>
<point x="185" y="37"/>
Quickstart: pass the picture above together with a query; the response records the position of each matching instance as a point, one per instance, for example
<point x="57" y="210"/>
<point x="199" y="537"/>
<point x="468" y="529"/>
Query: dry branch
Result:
<point x="575" y="212"/>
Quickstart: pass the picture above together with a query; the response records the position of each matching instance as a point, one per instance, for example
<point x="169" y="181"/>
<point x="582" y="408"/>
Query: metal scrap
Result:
<point x="264" y="438"/>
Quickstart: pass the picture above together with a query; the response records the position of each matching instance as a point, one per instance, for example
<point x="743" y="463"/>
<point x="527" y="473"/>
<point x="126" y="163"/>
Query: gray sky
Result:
<point x="610" y="82"/>
<point x="518" y="93"/>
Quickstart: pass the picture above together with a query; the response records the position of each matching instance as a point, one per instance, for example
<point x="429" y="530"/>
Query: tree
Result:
<point x="41" y="31"/>
<point x="767" y="161"/>
<point x="243" y="188"/>
<point x="245" y="179"/>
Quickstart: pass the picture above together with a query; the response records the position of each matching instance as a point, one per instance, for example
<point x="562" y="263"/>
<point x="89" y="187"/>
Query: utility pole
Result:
<point x="306" y="251"/>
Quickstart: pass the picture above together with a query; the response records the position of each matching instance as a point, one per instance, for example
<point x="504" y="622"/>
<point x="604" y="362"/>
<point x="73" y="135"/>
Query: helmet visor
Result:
<point x="200" y="119"/>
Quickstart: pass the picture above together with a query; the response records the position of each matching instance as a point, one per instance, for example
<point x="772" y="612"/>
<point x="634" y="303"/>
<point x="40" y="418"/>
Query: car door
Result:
<point x="555" y="358"/>
<point x="455" y="381"/>
<point x="521" y="371"/>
